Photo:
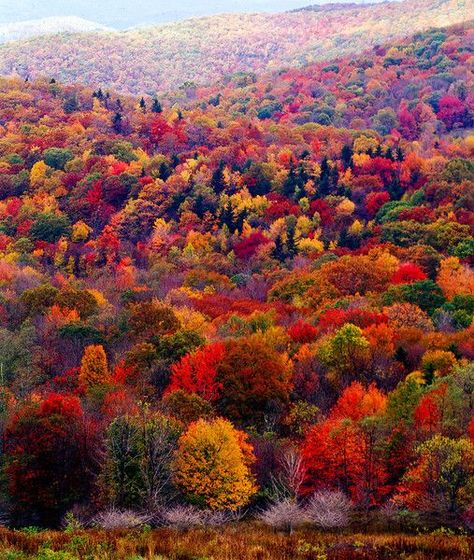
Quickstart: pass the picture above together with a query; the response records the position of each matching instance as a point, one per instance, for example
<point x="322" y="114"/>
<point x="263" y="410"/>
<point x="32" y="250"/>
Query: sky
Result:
<point x="122" y="14"/>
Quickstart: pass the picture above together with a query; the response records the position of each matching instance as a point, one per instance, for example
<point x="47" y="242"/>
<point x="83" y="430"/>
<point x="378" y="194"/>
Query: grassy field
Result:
<point x="238" y="542"/>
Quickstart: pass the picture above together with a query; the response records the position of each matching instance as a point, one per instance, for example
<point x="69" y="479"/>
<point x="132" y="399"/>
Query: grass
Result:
<point x="237" y="542"/>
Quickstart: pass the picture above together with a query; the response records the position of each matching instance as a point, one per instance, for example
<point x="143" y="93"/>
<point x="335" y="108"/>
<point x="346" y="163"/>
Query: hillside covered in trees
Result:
<point x="254" y="295"/>
<point x="162" y="58"/>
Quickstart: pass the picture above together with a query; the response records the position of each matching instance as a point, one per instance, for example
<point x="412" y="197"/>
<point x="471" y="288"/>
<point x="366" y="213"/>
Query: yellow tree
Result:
<point x="94" y="370"/>
<point x="212" y="465"/>
<point x="38" y="174"/>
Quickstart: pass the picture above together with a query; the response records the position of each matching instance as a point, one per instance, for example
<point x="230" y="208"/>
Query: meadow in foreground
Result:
<point x="242" y="541"/>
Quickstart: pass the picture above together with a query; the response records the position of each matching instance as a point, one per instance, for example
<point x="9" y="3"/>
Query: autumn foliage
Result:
<point x="213" y="465"/>
<point x="237" y="295"/>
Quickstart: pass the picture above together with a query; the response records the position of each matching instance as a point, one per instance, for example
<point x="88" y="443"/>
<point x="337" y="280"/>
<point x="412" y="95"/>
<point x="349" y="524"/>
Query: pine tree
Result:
<point x="346" y="156"/>
<point x="290" y="183"/>
<point x="227" y="216"/>
<point x="156" y="106"/>
<point x="279" y="249"/>
<point x="291" y="246"/>
<point x="217" y="181"/>
<point x="117" y="122"/>
<point x="324" y="178"/>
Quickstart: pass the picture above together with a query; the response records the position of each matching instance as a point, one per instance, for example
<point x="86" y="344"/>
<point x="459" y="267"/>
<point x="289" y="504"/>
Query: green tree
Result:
<point x="345" y="354"/>
<point x="50" y="227"/>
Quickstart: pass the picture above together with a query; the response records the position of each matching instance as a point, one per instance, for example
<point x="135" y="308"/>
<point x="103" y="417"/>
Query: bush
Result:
<point x="396" y="516"/>
<point x="120" y="519"/>
<point x="284" y="515"/>
<point x="186" y="517"/>
<point x="329" y="509"/>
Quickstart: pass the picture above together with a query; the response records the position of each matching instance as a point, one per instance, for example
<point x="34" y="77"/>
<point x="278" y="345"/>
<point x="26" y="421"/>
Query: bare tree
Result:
<point x="158" y="443"/>
<point x="329" y="509"/>
<point x="286" y="484"/>
<point x="283" y="515"/>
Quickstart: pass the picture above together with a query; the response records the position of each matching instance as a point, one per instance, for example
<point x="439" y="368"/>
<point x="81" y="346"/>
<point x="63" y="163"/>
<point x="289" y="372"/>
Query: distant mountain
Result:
<point x="123" y="14"/>
<point x="335" y="6"/>
<point x="202" y="50"/>
<point x="47" y="26"/>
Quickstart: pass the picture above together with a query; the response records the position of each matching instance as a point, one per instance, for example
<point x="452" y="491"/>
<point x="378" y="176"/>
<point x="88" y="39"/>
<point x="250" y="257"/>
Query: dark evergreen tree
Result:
<point x="217" y="181"/>
<point x="226" y="216"/>
<point x="156" y="106"/>
<point x="289" y="186"/>
<point x="395" y="188"/>
<point x="240" y="219"/>
<point x="164" y="171"/>
<point x="324" y="178"/>
<point x="278" y="251"/>
<point x="334" y="178"/>
<point x="291" y="246"/>
<point x="346" y="156"/>
<point x="117" y="122"/>
<point x="70" y="104"/>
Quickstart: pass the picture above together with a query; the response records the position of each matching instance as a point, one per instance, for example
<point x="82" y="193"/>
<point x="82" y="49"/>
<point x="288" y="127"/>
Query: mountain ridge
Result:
<point x="161" y="58"/>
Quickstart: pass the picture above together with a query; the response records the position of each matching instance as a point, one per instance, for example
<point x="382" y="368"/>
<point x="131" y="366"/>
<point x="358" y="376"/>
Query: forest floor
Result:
<point x="237" y="542"/>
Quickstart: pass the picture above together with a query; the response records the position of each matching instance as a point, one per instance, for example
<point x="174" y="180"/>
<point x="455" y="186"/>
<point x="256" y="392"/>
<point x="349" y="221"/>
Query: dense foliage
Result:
<point x="266" y="284"/>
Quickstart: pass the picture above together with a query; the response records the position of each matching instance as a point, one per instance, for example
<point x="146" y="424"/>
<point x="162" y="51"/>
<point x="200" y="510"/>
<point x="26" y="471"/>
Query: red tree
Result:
<point x="49" y="457"/>
<point x="196" y="372"/>
<point x="408" y="273"/>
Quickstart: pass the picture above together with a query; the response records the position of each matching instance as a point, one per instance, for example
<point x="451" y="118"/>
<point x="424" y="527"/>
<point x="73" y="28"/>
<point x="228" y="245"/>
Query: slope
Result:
<point x="204" y="49"/>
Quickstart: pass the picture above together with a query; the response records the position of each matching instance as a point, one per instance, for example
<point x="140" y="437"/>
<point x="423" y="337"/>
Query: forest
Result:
<point x="164" y="58"/>
<point x="251" y="300"/>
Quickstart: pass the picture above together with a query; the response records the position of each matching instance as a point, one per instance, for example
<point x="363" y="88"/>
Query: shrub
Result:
<point x="120" y="519"/>
<point x="284" y="515"/>
<point x="186" y="517"/>
<point x="329" y="509"/>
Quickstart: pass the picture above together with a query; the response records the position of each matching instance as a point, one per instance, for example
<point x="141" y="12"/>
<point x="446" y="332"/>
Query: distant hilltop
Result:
<point x="337" y="6"/>
<point x="47" y="26"/>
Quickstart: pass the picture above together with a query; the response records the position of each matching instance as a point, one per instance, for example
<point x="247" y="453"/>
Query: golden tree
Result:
<point x="94" y="369"/>
<point x="212" y="465"/>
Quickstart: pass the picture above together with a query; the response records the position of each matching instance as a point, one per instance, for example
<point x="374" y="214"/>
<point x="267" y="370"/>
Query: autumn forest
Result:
<point x="246" y="302"/>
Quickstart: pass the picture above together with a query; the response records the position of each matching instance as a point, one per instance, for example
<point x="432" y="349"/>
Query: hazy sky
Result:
<point x="127" y="13"/>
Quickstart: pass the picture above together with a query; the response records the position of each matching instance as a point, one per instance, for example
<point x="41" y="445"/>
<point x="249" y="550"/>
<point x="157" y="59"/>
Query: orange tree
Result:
<point x="255" y="380"/>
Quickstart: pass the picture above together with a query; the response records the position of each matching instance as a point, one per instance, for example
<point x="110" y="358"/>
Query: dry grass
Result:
<point x="236" y="542"/>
